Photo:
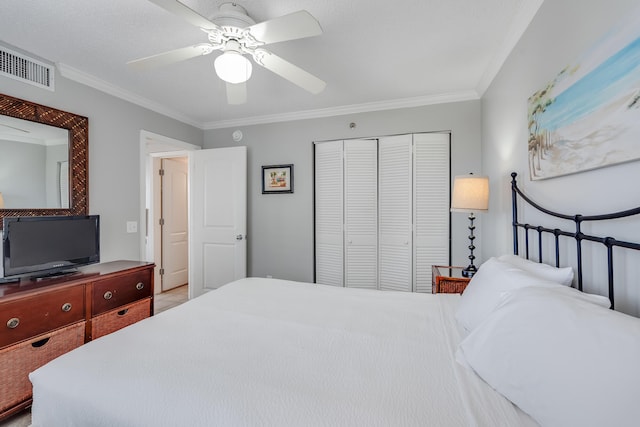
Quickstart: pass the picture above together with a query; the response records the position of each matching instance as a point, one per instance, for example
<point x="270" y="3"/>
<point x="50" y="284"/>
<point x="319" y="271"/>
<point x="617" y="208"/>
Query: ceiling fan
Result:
<point x="234" y="33"/>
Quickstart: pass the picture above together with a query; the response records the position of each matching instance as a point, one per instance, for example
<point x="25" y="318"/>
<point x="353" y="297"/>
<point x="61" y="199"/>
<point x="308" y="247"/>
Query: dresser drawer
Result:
<point x="114" y="320"/>
<point x="111" y="293"/>
<point x="18" y="360"/>
<point x="34" y="315"/>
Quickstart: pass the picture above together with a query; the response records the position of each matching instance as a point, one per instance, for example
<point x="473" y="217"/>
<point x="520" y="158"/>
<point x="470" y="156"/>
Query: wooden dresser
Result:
<point x="41" y="320"/>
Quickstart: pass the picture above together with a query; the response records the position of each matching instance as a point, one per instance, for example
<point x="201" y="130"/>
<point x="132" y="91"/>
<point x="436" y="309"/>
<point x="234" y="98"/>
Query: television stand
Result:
<point x="42" y="320"/>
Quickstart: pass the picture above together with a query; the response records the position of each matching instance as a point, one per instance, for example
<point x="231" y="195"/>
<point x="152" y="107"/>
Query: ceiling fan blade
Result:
<point x="236" y="93"/>
<point x="172" y="56"/>
<point x="287" y="70"/>
<point x="186" y="13"/>
<point x="296" y="25"/>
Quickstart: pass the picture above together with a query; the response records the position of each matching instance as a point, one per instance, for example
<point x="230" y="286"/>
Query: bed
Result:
<point x="272" y="352"/>
<point x="510" y="351"/>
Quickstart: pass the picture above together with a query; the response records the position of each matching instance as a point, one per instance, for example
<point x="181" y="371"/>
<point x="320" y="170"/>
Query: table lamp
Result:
<point x="470" y="194"/>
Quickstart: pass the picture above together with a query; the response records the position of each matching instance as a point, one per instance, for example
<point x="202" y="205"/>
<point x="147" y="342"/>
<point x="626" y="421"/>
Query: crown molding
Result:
<point x="419" y="101"/>
<point x="113" y="90"/>
<point x="520" y="23"/>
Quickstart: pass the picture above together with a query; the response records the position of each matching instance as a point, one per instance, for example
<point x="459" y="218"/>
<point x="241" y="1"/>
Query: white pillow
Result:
<point x="485" y="290"/>
<point x="564" y="275"/>
<point x="563" y="360"/>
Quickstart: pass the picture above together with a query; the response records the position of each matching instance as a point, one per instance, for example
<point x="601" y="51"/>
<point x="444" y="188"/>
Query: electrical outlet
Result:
<point x="132" y="227"/>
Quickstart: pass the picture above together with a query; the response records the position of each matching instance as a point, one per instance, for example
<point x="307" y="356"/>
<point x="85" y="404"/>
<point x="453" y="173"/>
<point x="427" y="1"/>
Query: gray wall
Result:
<point x="561" y="31"/>
<point x="280" y="226"/>
<point x="114" y="146"/>
<point x="22" y="174"/>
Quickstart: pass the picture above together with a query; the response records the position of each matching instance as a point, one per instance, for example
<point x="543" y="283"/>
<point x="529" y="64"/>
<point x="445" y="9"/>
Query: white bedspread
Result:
<point x="266" y="352"/>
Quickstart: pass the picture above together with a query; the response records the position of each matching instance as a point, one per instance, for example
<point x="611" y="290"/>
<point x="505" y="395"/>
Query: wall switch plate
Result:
<point x="132" y="227"/>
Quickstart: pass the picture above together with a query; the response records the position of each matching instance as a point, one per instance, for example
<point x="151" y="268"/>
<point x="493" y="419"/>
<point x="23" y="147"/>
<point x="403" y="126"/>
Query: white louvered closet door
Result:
<point x="395" y="226"/>
<point x="329" y="213"/>
<point x="361" y="213"/>
<point x="431" y="205"/>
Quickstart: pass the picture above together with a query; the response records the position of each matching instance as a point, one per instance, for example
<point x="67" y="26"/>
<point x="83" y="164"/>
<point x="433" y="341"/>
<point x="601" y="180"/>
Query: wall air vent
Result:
<point x="28" y="70"/>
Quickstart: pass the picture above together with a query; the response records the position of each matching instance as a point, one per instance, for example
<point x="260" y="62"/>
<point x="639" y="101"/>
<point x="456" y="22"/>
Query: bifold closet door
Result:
<point x="361" y="213"/>
<point x="382" y="211"/>
<point x="395" y="225"/>
<point x="329" y="213"/>
<point x="431" y="185"/>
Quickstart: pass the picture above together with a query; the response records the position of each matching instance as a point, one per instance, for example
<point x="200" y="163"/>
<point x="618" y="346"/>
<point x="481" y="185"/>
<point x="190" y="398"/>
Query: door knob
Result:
<point x="239" y="237"/>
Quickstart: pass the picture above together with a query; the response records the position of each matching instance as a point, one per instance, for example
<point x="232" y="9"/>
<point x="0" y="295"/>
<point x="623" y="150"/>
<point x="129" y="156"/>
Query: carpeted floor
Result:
<point x="23" y="419"/>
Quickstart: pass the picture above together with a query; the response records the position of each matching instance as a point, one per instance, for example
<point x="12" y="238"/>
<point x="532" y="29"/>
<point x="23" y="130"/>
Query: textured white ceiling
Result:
<point x="373" y="54"/>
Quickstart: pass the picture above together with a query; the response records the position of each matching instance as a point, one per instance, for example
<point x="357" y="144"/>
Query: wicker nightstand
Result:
<point x="448" y="279"/>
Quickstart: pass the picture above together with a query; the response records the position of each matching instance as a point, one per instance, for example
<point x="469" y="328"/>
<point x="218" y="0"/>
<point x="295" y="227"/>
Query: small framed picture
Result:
<point x="277" y="179"/>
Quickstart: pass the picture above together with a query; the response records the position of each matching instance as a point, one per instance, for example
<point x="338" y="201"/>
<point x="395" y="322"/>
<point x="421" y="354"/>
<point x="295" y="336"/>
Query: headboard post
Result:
<point x="556" y="234"/>
<point x="578" y="237"/>
<point x="609" y="242"/>
<point x="514" y="212"/>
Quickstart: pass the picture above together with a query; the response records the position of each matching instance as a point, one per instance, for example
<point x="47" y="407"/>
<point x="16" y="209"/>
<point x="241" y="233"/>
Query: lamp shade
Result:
<point x="233" y="67"/>
<point x="470" y="193"/>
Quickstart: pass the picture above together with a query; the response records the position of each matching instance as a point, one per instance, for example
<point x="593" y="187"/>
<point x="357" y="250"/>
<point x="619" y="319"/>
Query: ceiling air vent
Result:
<point x="28" y="70"/>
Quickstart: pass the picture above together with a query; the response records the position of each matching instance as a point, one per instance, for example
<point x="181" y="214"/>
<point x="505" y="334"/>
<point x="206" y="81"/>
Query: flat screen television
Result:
<point x="49" y="245"/>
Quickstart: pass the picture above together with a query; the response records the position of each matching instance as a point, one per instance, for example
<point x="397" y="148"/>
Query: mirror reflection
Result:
<point x="34" y="165"/>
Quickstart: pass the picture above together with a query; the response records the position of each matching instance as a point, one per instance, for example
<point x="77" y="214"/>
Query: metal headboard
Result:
<point x="577" y="234"/>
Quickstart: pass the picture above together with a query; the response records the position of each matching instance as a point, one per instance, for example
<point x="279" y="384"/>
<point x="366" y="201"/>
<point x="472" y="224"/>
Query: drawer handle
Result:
<point x="107" y="295"/>
<point x="40" y="343"/>
<point x="140" y="286"/>
<point x="123" y="312"/>
<point x="66" y="307"/>
<point x="13" y="323"/>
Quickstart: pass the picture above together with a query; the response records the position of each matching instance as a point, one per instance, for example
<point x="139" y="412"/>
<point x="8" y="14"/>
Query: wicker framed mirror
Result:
<point x="78" y="130"/>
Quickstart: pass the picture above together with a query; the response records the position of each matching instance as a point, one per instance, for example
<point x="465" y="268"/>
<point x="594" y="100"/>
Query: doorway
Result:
<point x="173" y="223"/>
<point x="153" y="149"/>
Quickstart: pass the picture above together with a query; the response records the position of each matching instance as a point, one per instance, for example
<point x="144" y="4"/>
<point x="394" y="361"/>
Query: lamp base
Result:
<point x="469" y="271"/>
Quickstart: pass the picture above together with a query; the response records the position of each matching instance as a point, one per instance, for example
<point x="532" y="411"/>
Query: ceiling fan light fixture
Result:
<point x="233" y="67"/>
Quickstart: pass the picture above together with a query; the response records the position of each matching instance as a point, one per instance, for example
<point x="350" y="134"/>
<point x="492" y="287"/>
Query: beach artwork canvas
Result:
<point x="589" y="116"/>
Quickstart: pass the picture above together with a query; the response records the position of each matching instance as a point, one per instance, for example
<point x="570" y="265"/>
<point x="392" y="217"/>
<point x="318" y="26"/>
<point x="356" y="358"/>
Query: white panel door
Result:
<point x="431" y="205"/>
<point x="395" y="213"/>
<point x="217" y="218"/>
<point x="174" y="260"/>
<point x="361" y="213"/>
<point x="329" y="213"/>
